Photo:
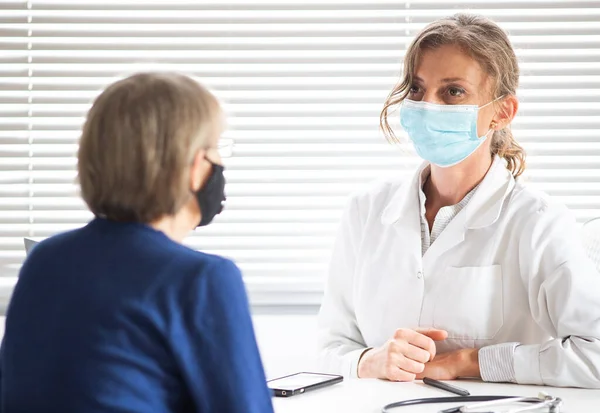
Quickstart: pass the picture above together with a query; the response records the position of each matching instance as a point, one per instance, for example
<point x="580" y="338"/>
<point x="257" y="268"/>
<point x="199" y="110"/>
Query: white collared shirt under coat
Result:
<point x="509" y="268"/>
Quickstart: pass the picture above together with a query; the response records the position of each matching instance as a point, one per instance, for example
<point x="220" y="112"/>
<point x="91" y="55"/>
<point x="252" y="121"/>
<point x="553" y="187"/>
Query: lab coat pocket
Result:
<point x="469" y="302"/>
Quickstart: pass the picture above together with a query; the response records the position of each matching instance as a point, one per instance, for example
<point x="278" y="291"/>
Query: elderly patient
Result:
<point x="119" y="316"/>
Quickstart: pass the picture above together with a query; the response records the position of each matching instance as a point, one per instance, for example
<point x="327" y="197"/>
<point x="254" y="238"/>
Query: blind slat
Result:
<point x="304" y="82"/>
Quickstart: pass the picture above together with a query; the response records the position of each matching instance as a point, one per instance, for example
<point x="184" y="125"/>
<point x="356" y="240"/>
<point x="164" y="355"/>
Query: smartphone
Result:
<point x="301" y="382"/>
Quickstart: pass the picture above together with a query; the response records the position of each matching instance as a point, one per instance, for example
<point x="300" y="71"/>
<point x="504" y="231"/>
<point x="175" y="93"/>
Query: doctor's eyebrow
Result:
<point x="455" y="79"/>
<point x="417" y="79"/>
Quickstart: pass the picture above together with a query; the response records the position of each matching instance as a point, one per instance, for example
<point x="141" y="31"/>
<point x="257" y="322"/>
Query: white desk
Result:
<point x="287" y="346"/>
<point x="369" y="396"/>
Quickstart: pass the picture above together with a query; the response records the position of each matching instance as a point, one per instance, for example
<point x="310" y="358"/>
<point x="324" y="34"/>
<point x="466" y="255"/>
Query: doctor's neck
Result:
<point x="448" y="186"/>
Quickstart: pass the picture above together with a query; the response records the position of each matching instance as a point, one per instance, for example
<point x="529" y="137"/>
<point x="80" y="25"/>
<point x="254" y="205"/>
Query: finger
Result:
<point x="433" y="333"/>
<point x="408" y="365"/>
<point x="395" y="347"/>
<point x="416" y="339"/>
<point x="393" y="373"/>
<point x="416" y="353"/>
<point x="423" y="374"/>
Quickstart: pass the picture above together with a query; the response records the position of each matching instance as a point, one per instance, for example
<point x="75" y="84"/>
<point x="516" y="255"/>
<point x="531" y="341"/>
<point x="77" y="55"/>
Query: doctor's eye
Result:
<point x="414" y="90"/>
<point x="456" y="92"/>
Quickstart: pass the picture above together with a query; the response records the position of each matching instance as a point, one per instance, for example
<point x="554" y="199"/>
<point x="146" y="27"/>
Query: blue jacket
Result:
<point x="116" y="317"/>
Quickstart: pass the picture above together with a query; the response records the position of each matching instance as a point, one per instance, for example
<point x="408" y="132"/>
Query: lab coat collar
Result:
<point x="486" y="205"/>
<point x="404" y="200"/>
<point x="481" y="211"/>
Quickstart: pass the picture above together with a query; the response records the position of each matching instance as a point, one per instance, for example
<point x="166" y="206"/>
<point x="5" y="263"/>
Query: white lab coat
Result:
<point x="510" y="267"/>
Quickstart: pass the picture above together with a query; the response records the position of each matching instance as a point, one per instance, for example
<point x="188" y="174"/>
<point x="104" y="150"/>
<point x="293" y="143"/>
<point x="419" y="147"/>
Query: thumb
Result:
<point x="433" y="333"/>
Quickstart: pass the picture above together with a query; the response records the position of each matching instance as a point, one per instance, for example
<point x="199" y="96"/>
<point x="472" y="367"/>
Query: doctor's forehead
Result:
<point x="449" y="64"/>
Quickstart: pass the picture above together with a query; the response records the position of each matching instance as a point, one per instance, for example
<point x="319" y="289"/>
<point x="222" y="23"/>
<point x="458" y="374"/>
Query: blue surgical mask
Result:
<point x="444" y="135"/>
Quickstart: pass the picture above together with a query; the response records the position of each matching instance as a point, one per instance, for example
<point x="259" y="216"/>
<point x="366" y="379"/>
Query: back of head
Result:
<point x="489" y="45"/>
<point x="138" y="144"/>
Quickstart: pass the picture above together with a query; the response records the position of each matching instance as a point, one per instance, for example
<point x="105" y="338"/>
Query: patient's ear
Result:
<point x="199" y="171"/>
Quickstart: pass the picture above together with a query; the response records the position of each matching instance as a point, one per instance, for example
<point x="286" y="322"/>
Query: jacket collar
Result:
<point x="481" y="211"/>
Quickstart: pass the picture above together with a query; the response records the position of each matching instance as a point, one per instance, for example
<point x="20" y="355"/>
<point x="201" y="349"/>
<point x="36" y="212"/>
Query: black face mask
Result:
<point x="211" y="196"/>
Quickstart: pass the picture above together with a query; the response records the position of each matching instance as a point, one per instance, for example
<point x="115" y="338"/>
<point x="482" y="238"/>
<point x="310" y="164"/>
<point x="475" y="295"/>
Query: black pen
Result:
<point x="445" y="386"/>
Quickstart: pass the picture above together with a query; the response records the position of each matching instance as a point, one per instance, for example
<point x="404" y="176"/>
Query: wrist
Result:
<point x="362" y="370"/>
<point x="469" y="361"/>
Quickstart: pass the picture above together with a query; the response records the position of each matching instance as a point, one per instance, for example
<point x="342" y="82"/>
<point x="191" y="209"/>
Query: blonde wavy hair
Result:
<point x="489" y="45"/>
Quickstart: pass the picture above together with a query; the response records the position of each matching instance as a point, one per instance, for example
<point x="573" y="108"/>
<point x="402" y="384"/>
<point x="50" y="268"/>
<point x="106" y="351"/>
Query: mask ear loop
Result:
<point x="491" y="101"/>
<point x="494" y="123"/>
<point x="493" y="126"/>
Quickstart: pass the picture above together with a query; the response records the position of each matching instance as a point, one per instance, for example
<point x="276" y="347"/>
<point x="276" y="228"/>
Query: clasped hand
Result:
<point x="411" y="354"/>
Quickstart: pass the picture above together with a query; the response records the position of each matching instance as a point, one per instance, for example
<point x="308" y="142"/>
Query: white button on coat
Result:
<point x="510" y="267"/>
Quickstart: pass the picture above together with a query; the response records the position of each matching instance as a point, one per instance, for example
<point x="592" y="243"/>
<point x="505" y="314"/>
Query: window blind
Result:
<point x="303" y="82"/>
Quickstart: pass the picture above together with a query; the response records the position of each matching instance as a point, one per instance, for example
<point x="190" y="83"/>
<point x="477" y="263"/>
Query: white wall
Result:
<point x="287" y="343"/>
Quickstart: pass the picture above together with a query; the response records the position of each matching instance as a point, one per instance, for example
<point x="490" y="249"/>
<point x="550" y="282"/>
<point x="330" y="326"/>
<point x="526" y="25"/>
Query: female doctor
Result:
<point x="463" y="271"/>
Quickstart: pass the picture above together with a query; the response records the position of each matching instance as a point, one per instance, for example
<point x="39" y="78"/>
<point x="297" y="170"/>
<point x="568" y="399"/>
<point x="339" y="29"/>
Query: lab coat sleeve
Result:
<point x="340" y="341"/>
<point x="563" y="289"/>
